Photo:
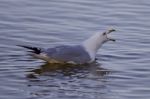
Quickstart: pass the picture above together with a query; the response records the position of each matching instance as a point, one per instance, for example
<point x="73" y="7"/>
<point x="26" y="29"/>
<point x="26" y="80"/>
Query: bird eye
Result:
<point x="104" y="33"/>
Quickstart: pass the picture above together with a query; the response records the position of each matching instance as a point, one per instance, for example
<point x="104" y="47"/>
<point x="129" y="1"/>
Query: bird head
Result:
<point x="105" y="36"/>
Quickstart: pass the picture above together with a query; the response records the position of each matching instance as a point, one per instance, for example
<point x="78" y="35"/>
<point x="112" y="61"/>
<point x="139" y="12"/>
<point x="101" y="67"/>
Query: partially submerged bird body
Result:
<point x="62" y="54"/>
<point x="77" y="54"/>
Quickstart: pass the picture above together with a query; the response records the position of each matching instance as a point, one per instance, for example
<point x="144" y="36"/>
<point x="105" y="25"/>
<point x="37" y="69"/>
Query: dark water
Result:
<point x="122" y="71"/>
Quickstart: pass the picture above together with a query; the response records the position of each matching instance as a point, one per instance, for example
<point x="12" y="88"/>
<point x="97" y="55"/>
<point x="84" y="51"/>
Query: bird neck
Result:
<point x="93" y="44"/>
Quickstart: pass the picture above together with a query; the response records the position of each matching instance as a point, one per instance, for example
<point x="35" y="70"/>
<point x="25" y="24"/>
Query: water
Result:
<point x="122" y="70"/>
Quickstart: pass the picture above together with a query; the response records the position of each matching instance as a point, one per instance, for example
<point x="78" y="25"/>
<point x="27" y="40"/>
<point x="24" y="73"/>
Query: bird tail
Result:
<point x="33" y="49"/>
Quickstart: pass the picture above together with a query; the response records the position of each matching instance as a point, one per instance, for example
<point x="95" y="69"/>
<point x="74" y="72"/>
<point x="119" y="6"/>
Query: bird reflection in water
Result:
<point x="68" y="70"/>
<point x="65" y="78"/>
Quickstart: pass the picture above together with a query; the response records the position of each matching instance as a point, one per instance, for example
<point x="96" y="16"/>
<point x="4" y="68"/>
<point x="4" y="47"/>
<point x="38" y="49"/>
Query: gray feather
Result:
<point x="67" y="53"/>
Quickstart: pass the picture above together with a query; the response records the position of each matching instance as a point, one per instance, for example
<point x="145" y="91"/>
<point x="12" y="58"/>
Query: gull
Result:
<point x="82" y="53"/>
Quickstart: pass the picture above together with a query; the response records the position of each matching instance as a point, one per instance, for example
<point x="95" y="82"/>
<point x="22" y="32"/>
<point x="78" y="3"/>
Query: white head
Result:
<point x="104" y="36"/>
<point x="95" y="42"/>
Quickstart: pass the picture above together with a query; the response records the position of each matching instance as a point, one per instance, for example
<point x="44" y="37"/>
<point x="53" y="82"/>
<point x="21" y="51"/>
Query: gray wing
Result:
<point x="66" y="53"/>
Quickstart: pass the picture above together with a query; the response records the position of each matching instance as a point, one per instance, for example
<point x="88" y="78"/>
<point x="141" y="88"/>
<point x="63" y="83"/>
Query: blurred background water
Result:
<point x="122" y="71"/>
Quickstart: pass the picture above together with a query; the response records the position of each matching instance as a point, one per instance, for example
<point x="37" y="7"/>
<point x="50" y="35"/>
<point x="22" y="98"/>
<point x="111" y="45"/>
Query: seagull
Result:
<point x="82" y="53"/>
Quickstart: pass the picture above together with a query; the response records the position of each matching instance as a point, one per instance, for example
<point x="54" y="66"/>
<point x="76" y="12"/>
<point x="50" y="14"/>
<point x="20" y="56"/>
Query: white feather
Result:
<point x="93" y="44"/>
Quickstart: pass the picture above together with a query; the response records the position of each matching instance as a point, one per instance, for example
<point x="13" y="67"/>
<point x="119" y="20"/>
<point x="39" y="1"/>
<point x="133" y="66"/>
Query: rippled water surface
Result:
<point x="122" y="70"/>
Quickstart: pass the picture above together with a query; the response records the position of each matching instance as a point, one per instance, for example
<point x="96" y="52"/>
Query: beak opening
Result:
<point x="110" y="31"/>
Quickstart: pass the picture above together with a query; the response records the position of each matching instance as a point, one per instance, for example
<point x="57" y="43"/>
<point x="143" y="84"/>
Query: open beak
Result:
<point x="110" y="31"/>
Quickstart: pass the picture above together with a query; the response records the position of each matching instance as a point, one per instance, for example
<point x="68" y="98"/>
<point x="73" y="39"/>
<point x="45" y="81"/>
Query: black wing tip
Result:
<point x="34" y="49"/>
<point x="24" y="46"/>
